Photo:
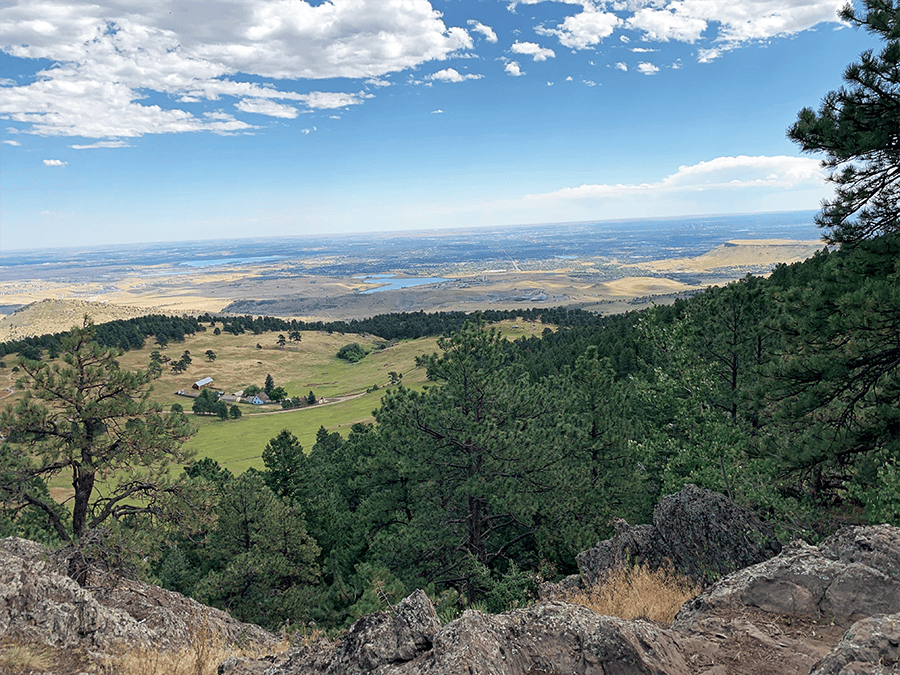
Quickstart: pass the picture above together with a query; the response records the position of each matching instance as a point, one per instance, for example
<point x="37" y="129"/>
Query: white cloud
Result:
<point x="261" y="106"/>
<point x="710" y="55"/>
<point x="727" y="173"/>
<point x="513" y="68"/>
<point x="533" y="50"/>
<point x="729" y="24"/>
<point x="585" y="29"/>
<point x="451" y="75"/>
<point x="665" y="25"/>
<point x="647" y="68"/>
<point x="437" y="112"/>
<point x="322" y="100"/>
<point x="621" y="65"/>
<point x="643" y="50"/>
<point x="486" y="31"/>
<point x="54" y="162"/>
<point x="108" y="54"/>
<point x="102" y="144"/>
<point x="15" y="143"/>
<point x="736" y="22"/>
<point x="125" y="69"/>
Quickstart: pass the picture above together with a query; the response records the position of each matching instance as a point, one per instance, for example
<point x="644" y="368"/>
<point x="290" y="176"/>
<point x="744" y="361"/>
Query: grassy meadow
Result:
<point x="299" y="367"/>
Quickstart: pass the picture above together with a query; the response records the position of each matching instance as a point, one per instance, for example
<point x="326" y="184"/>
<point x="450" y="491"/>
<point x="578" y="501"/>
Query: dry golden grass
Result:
<point x="22" y="658"/>
<point x="207" y="649"/>
<point x="638" y="593"/>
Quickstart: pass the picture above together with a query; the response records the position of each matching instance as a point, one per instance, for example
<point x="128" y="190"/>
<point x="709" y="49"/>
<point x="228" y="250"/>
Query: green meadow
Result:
<point x="300" y="367"/>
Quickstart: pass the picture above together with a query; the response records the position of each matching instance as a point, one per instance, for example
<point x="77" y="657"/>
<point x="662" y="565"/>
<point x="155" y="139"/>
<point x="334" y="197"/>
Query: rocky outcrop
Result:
<point x="870" y="647"/>
<point x="549" y="638"/>
<point x="827" y="610"/>
<point x="785" y="616"/>
<point x="701" y="533"/>
<point x="39" y="604"/>
<point x="853" y="575"/>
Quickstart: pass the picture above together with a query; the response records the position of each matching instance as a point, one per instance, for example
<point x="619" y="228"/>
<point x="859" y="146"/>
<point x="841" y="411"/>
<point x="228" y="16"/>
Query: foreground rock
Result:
<point x="827" y="610"/>
<point x="870" y="647"/>
<point x="795" y="614"/>
<point x="702" y="534"/>
<point x="548" y="638"/>
<point x="854" y="574"/>
<point x="39" y="604"/>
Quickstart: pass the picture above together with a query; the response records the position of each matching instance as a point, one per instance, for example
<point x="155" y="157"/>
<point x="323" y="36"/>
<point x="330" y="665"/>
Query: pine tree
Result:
<point x="858" y="129"/>
<point x="88" y="417"/>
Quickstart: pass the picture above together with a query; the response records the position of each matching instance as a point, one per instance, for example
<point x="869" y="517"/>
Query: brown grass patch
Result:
<point x="638" y="593"/>
<point x="23" y="658"/>
<point x="207" y="649"/>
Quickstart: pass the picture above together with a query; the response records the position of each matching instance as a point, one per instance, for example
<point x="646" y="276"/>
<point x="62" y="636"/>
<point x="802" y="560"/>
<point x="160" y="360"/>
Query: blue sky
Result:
<point x="157" y="120"/>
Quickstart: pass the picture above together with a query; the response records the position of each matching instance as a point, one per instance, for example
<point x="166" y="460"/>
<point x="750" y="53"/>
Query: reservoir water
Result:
<point x="389" y="283"/>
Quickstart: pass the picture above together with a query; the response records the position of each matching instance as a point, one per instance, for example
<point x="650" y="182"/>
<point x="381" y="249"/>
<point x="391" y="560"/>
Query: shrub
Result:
<point x="352" y="352"/>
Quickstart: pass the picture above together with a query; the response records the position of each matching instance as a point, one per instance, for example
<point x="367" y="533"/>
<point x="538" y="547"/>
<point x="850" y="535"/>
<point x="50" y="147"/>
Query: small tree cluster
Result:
<point x="298" y="401"/>
<point x="208" y="403"/>
<point x="352" y="352"/>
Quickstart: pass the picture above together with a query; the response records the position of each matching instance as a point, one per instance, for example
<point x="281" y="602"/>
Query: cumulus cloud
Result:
<point x="731" y="173"/>
<point x="686" y="20"/>
<point x="647" y="68"/>
<point x="451" y="75"/>
<point x="486" y="31"/>
<point x="323" y="100"/>
<point x="513" y="68"/>
<point x="54" y="162"/>
<point x="728" y="24"/>
<point x="15" y="143"/>
<point x="533" y="50"/>
<point x="585" y="29"/>
<point x="621" y="65"/>
<point x="262" y="106"/>
<point x="107" y="55"/>
<point x="665" y="25"/>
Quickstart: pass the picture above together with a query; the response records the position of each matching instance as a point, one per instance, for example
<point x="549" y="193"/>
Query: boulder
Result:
<point x="701" y="533"/>
<point x="386" y="639"/>
<point x="851" y="576"/>
<point x="38" y="603"/>
<point x="869" y="647"/>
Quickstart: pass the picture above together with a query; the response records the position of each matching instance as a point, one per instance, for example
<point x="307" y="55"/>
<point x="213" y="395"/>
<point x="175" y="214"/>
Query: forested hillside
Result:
<point x="781" y="392"/>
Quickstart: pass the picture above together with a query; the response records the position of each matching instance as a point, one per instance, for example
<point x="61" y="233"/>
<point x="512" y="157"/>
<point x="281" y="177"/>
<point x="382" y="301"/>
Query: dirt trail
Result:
<point x="9" y="389"/>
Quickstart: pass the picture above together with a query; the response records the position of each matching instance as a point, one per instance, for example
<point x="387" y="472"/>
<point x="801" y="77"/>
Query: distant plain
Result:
<point x="599" y="266"/>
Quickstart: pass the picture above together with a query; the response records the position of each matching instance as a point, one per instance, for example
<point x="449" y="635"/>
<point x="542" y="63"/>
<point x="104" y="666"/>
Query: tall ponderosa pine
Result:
<point x="838" y="382"/>
<point x="88" y="417"/>
<point x="462" y="475"/>
<point x="858" y="128"/>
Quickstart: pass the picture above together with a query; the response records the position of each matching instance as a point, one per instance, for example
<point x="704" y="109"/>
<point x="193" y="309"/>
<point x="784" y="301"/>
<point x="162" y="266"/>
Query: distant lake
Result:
<point x="392" y="284"/>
